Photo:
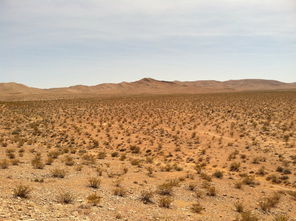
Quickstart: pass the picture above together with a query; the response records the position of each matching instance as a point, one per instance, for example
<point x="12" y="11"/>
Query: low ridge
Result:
<point x="15" y="91"/>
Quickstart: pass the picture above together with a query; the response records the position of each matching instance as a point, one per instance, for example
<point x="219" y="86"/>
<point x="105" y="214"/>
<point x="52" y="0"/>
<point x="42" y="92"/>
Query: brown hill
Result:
<point x="14" y="91"/>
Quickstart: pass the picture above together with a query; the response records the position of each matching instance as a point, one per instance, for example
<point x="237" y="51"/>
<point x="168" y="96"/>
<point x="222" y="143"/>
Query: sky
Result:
<point x="55" y="43"/>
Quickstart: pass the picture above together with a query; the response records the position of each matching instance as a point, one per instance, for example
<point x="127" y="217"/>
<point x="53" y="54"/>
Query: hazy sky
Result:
<point x="52" y="43"/>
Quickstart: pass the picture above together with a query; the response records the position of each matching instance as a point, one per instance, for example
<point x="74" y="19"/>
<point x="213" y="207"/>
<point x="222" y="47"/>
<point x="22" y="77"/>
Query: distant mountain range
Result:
<point x="15" y="91"/>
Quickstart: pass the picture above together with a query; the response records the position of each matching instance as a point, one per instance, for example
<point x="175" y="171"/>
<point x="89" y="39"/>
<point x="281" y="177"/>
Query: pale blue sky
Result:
<point x="53" y="43"/>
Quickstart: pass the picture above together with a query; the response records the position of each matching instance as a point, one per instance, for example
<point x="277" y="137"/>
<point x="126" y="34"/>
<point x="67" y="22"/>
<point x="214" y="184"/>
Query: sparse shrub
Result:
<point x="234" y="166"/>
<point x="22" y="191"/>
<point x="292" y="194"/>
<point x="149" y="171"/>
<point x="165" y="202"/>
<point x="146" y="196"/>
<point x="135" y="149"/>
<point x="136" y="162"/>
<point x="261" y="171"/>
<point x="211" y="191"/>
<point x="218" y="174"/>
<point x="192" y="186"/>
<point x="53" y="154"/>
<point x="269" y="202"/>
<point x="198" y="194"/>
<point x="102" y="155"/>
<point x="65" y="197"/>
<point x="115" y="154"/>
<point x="119" y="191"/>
<point x="88" y="159"/>
<point x="15" y="162"/>
<point x="248" y="216"/>
<point x="238" y="185"/>
<point x="78" y="167"/>
<point x="99" y="171"/>
<point x="273" y="178"/>
<point x="94" y="199"/>
<point x="196" y="208"/>
<point x="49" y="161"/>
<point x="205" y="177"/>
<point x="165" y="189"/>
<point x="239" y="207"/>
<point x="4" y="164"/>
<point x="281" y="218"/>
<point x="94" y="182"/>
<point x="37" y="162"/>
<point x="249" y="180"/>
<point x="122" y="157"/>
<point x="58" y="173"/>
<point x="69" y="161"/>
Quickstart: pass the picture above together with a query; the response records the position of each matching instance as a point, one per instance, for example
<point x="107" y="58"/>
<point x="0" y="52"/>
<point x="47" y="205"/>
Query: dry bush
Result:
<point x="65" y="197"/>
<point x="146" y="196"/>
<point x="165" y="201"/>
<point x="165" y="188"/>
<point x="249" y="180"/>
<point x="205" y="177"/>
<point x="102" y="155"/>
<point x="22" y="191"/>
<point x="69" y="161"/>
<point x="94" y="182"/>
<point x="119" y="191"/>
<point x="198" y="193"/>
<point x="269" y="202"/>
<point x="218" y="174"/>
<point x="4" y="164"/>
<point x="94" y="199"/>
<point x="234" y="166"/>
<point x="192" y="186"/>
<point x="248" y="216"/>
<point x="37" y="162"/>
<point x="58" y="173"/>
<point x="15" y="162"/>
<point x="211" y="191"/>
<point x="281" y="218"/>
<point x="239" y="207"/>
<point x="196" y="208"/>
<point x="49" y="161"/>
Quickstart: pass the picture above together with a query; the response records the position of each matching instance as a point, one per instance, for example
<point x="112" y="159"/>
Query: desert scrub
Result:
<point x="165" y="201"/>
<point x="218" y="174"/>
<point x="234" y="166"/>
<point x="211" y="191"/>
<point x="102" y="155"/>
<point x="22" y="191"/>
<point x="165" y="188"/>
<point x="281" y="218"/>
<point x="192" y="186"/>
<point x="94" y="182"/>
<point x="65" y="197"/>
<point x="93" y="199"/>
<point x="239" y="207"/>
<point x="69" y="161"/>
<point x="250" y="181"/>
<point x="119" y="191"/>
<point x="196" y="208"/>
<point x="267" y="203"/>
<point x="146" y="196"/>
<point x="4" y="164"/>
<point x="37" y="162"/>
<point x="247" y="216"/>
<point x="58" y="173"/>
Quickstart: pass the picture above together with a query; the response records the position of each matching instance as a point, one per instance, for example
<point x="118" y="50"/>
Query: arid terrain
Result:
<point x="219" y="156"/>
<point x="146" y="86"/>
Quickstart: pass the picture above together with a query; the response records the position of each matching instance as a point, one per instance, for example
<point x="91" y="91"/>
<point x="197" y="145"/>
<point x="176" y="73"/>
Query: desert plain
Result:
<point x="219" y="156"/>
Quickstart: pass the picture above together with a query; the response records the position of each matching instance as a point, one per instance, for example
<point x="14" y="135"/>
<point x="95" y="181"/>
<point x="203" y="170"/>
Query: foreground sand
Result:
<point x="183" y="157"/>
